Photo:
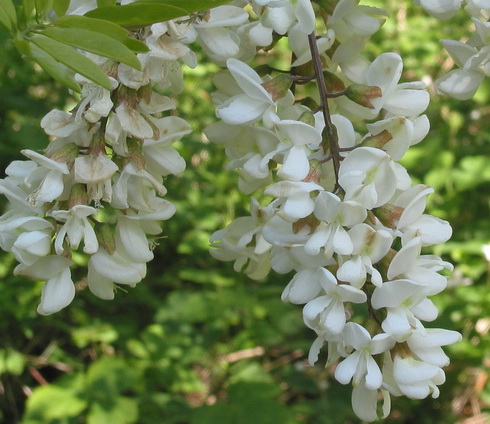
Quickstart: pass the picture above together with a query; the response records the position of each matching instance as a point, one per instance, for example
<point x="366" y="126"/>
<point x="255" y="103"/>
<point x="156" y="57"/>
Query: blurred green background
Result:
<point x="196" y="343"/>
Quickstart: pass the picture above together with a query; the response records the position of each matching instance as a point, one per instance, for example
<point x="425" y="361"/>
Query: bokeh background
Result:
<point x="196" y="343"/>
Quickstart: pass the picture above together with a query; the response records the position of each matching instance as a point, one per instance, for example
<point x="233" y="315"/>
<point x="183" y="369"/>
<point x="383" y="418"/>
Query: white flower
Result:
<point x="406" y="99"/>
<point x="217" y="40"/>
<point x="76" y="228"/>
<point x="408" y="263"/>
<point x="441" y="9"/>
<point x="405" y="302"/>
<point x="116" y="267"/>
<point x="370" y="246"/>
<point x="327" y="311"/>
<point x="59" y="290"/>
<point x="160" y="158"/>
<point x="94" y="169"/>
<point x="460" y="84"/>
<point x="425" y="344"/>
<point x="252" y="104"/>
<point x="242" y="242"/>
<point x="132" y="121"/>
<point x="367" y="176"/>
<point x="417" y="379"/>
<point x="297" y="200"/>
<point x="337" y="215"/>
<point x="360" y="365"/>
<point x="46" y="181"/>
<point x="61" y="124"/>
<point x="132" y="240"/>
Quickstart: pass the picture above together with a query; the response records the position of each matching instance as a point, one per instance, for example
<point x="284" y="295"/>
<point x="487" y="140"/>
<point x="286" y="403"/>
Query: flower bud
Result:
<point x="315" y="173"/>
<point x="78" y="195"/>
<point x="278" y="86"/>
<point x="135" y="155"/>
<point x="66" y="154"/>
<point x="363" y="94"/>
<point x="389" y="214"/>
<point x="333" y="83"/>
<point x="309" y="221"/>
<point x="328" y="5"/>
<point x="308" y="118"/>
<point x="378" y="141"/>
<point x="105" y="237"/>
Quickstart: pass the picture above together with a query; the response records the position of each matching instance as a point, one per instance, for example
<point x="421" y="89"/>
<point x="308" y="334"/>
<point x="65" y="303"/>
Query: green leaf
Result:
<point x="28" y="8"/>
<point x="118" y="410"/>
<point x="104" y="3"/>
<point x="191" y="6"/>
<point x="54" y="68"/>
<point x="98" y="25"/>
<point x="137" y="14"/>
<point x="94" y="42"/>
<point x="147" y="12"/>
<point x="104" y="27"/>
<point x="43" y="6"/>
<point x="61" y="6"/>
<point x="136" y="45"/>
<point x="54" y="403"/>
<point x="8" y="17"/>
<point x="73" y="60"/>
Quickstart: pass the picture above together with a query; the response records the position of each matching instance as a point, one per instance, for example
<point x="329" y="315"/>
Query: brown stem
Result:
<point x="331" y="131"/>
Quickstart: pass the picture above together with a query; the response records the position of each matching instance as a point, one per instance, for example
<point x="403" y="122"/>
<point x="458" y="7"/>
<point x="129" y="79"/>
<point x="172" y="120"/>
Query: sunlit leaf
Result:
<point x="104" y="27"/>
<point x="43" y="6"/>
<point x="61" y="6"/>
<point x="98" y="25"/>
<point x="54" y="68"/>
<point x="73" y="60"/>
<point x="94" y="42"/>
<point x="137" y="14"/>
<point x="8" y="17"/>
<point x="190" y="6"/>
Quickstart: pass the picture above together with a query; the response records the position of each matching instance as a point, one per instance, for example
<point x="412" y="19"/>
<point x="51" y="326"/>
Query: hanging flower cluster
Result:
<point x="98" y="186"/>
<point x="470" y="57"/>
<point x="342" y="214"/>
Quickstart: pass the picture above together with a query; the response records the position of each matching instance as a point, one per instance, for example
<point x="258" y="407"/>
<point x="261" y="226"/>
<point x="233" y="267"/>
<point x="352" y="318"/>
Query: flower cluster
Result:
<point x="470" y="57"/>
<point x="338" y="211"/>
<point x="98" y="186"/>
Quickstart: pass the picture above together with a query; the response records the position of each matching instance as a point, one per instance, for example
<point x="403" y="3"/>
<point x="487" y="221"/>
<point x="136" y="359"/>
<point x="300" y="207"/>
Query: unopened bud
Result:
<point x="66" y="154"/>
<point x="145" y="93"/>
<point x="97" y="145"/>
<point x="278" y="86"/>
<point x="308" y="118"/>
<point x="78" y="195"/>
<point x="315" y="173"/>
<point x="389" y="214"/>
<point x="135" y="148"/>
<point x="378" y="141"/>
<point x="105" y="237"/>
<point x="363" y="94"/>
<point x="328" y="5"/>
<point x="333" y="83"/>
<point x="384" y="263"/>
<point x="311" y="222"/>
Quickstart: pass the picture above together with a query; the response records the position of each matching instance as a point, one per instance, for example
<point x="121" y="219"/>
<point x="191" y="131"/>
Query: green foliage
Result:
<point x="147" y="12"/>
<point x="195" y="342"/>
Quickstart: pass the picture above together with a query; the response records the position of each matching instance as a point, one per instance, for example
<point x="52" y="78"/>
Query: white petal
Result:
<point x="346" y="369"/>
<point x="100" y="286"/>
<point x="241" y="109"/>
<point x="460" y="84"/>
<point x="57" y="293"/>
<point x="133" y="239"/>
